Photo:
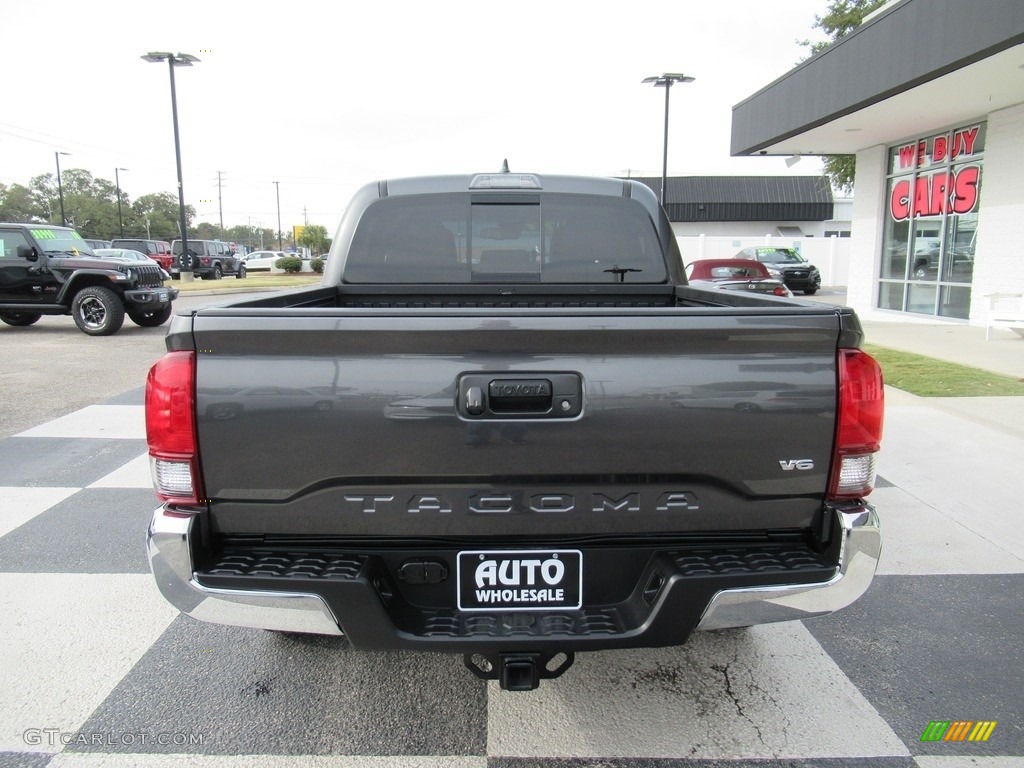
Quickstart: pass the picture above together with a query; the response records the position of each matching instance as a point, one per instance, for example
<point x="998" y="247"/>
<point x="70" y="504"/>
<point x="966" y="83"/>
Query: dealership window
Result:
<point x="933" y="195"/>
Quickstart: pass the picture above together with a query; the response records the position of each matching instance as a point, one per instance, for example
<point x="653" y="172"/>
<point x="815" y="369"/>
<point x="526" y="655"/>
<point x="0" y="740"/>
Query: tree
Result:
<point x="314" y="237"/>
<point x="205" y="231"/>
<point x="161" y="211"/>
<point x="841" y="17"/>
<point x="90" y="204"/>
<point x="18" y="203"/>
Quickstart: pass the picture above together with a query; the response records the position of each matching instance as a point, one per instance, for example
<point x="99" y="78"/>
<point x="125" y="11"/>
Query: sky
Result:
<point x="325" y="97"/>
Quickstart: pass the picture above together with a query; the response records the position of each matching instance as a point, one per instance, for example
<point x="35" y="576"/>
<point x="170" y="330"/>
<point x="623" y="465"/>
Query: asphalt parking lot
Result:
<point x="99" y="670"/>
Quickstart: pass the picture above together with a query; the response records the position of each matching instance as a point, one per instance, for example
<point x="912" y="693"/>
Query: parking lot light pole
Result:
<point x="175" y="60"/>
<point x="117" y="182"/>
<point x="277" y="186"/>
<point x="666" y="81"/>
<point x="60" y="188"/>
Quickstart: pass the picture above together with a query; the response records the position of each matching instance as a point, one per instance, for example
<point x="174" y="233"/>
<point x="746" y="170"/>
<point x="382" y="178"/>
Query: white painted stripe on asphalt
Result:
<point x="68" y="639"/>
<point x="19" y="505"/>
<point x="72" y="760"/>
<point x="134" y="474"/>
<point x="100" y="421"/>
<point x="966" y="761"/>
<point x="756" y="693"/>
<point x="918" y="540"/>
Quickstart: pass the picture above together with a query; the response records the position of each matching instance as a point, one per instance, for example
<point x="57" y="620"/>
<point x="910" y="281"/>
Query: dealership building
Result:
<point x="929" y="96"/>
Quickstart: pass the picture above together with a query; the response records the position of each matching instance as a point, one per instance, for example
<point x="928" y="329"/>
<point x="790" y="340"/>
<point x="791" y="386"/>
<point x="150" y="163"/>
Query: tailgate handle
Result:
<point x="522" y="396"/>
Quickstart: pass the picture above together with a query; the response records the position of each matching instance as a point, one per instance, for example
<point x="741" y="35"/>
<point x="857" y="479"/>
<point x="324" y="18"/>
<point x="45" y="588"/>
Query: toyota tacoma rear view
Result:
<point x="504" y="426"/>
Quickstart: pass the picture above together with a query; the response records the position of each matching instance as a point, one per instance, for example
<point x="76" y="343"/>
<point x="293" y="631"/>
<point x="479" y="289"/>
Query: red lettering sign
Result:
<point x="899" y="203"/>
<point x="936" y="193"/>
<point x="942" y="148"/>
<point x="907" y="156"/>
<point x="965" y="189"/>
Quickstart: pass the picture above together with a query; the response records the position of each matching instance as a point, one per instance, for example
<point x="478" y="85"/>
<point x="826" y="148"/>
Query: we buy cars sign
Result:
<point x="946" y="190"/>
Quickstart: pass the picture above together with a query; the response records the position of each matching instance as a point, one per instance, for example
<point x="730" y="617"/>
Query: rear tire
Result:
<point x="19" y="319"/>
<point x="98" y="311"/>
<point x="151" y="319"/>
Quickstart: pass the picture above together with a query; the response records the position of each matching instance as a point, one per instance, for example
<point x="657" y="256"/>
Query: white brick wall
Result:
<point x="868" y="221"/>
<point x="999" y="256"/>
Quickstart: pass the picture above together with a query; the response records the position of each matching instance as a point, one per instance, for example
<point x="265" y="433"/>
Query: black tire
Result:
<point x="19" y="319"/>
<point x="218" y="273"/>
<point x="151" y="319"/>
<point x="98" y="311"/>
<point x="810" y="291"/>
<point x="241" y="272"/>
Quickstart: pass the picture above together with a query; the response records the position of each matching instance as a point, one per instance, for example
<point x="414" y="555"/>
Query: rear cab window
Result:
<point x="467" y="238"/>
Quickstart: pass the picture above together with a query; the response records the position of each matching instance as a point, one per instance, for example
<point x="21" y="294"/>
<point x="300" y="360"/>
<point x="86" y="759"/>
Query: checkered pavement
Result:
<point x="98" y="670"/>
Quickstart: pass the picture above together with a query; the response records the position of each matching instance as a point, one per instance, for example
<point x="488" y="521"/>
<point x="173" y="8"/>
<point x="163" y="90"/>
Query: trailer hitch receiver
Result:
<point x="519" y="671"/>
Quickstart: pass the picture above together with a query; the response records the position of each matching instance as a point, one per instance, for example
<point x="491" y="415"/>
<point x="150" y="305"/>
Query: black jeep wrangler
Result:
<point x="48" y="270"/>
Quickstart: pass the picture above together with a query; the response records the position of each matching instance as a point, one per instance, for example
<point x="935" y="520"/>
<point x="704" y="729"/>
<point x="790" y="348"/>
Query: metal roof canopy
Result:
<point x="918" y="66"/>
<point x="745" y="198"/>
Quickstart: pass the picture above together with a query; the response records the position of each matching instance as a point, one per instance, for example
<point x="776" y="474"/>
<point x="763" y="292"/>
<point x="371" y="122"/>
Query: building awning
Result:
<point x="945" y="62"/>
<point x="745" y="198"/>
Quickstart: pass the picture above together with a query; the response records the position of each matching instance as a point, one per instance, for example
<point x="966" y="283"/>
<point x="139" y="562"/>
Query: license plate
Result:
<point x="520" y="580"/>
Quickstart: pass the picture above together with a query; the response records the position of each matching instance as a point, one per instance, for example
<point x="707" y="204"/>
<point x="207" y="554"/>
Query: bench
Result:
<point x="1005" y="310"/>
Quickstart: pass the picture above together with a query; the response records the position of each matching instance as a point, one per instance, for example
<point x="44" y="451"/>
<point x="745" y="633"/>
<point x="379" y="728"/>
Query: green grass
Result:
<point x="251" y="281"/>
<point x="928" y="377"/>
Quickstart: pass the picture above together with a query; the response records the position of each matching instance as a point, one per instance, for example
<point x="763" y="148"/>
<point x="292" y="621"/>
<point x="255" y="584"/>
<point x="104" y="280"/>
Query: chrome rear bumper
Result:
<point x="860" y="546"/>
<point x="856" y="528"/>
<point x="170" y="558"/>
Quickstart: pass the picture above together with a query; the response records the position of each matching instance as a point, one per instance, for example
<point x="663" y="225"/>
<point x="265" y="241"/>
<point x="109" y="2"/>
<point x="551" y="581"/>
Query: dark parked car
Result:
<point x="208" y="259"/>
<point x="47" y="270"/>
<point x="787" y="265"/>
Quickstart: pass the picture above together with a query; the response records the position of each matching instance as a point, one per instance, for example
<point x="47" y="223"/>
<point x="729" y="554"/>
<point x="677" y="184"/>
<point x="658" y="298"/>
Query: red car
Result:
<point x="735" y="275"/>
<point x="158" y="250"/>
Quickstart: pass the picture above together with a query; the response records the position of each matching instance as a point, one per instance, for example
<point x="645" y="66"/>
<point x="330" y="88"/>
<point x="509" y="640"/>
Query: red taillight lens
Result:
<point x="859" y="432"/>
<point x="170" y="427"/>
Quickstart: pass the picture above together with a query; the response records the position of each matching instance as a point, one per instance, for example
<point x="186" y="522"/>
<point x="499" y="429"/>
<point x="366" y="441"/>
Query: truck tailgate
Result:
<point x="351" y="422"/>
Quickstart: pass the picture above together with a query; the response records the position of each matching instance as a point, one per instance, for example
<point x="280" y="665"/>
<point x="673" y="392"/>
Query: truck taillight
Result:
<point x="859" y="431"/>
<point x="170" y="427"/>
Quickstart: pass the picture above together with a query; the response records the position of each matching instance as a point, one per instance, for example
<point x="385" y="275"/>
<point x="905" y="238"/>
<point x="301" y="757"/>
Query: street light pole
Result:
<point x="60" y="188"/>
<point x="117" y="181"/>
<point x="277" y="186"/>
<point x="666" y="81"/>
<point x="175" y="60"/>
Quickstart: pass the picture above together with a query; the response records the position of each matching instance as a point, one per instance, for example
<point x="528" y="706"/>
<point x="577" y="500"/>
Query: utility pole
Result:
<point x="277" y="186"/>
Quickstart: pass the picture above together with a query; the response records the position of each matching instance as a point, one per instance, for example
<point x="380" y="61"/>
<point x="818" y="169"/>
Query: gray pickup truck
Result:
<point x="504" y="426"/>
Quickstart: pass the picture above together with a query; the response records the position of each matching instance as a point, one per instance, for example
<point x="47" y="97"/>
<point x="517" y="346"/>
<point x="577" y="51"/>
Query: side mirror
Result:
<point x="28" y="252"/>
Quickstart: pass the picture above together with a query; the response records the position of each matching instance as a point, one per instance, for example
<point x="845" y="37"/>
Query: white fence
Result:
<point x="831" y="255"/>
